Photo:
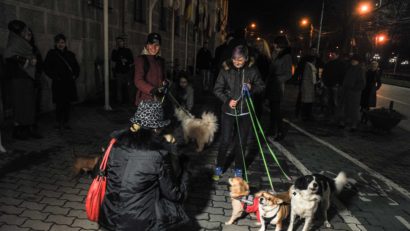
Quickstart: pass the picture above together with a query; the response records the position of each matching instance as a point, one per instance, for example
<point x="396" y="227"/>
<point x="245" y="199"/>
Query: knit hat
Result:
<point x="154" y="38"/>
<point x="150" y="114"/>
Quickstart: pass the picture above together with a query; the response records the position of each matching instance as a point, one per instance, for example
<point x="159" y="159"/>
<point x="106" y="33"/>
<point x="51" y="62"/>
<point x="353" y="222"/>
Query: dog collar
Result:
<point x="267" y="220"/>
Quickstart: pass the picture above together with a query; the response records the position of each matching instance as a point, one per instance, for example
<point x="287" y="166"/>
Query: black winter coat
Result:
<point x="280" y="71"/>
<point x="230" y="83"/>
<point x="143" y="192"/>
<point x="62" y="67"/>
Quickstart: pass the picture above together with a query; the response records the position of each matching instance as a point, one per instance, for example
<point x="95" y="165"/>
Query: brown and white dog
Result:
<point x="273" y="208"/>
<point x="202" y="130"/>
<point x="239" y="188"/>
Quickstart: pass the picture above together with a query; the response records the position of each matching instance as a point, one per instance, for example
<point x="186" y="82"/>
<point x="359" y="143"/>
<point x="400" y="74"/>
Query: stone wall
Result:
<point x="82" y="25"/>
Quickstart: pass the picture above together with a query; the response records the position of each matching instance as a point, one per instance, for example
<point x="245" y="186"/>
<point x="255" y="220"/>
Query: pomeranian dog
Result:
<point x="86" y="164"/>
<point x="201" y="130"/>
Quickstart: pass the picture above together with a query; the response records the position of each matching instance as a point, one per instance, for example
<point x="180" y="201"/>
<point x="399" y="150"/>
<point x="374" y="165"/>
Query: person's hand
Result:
<point x="232" y="103"/>
<point x="249" y="86"/>
<point x="33" y="61"/>
<point x="169" y="138"/>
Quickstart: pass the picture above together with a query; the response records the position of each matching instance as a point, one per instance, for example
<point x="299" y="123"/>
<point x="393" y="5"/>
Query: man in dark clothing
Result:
<point x="333" y="74"/>
<point x="204" y="63"/>
<point x="123" y="61"/>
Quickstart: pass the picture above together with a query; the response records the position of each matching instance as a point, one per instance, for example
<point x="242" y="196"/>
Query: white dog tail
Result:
<point x="209" y="118"/>
<point x="340" y="181"/>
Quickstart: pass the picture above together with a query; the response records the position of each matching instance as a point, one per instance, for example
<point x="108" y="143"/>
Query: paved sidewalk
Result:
<point x="37" y="192"/>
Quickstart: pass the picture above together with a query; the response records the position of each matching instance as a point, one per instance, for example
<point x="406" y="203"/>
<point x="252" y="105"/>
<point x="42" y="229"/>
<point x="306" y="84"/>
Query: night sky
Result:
<point x="272" y="15"/>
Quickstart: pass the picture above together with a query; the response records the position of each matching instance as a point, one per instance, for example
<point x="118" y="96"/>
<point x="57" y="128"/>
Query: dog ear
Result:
<point x="279" y="201"/>
<point x="259" y="194"/>
<point x="300" y="183"/>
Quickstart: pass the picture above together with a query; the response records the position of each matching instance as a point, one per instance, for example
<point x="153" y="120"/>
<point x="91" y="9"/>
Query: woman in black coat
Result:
<point x="145" y="183"/>
<point x="373" y="83"/>
<point x="62" y="67"/>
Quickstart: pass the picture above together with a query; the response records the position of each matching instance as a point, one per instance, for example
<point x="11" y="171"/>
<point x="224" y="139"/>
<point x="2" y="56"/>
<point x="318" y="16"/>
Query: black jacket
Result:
<point x="230" y="83"/>
<point x="62" y="67"/>
<point x="333" y="72"/>
<point x="143" y="191"/>
<point x="280" y="71"/>
<point x="117" y="56"/>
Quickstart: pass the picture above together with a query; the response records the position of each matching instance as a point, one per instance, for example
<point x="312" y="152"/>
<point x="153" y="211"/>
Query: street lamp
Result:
<point x="250" y="28"/>
<point x="305" y="22"/>
<point x="364" y="8"/>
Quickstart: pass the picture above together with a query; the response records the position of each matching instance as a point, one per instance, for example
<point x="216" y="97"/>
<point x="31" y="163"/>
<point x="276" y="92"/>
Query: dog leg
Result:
<point x="308" y="223"/>
<point x="325" y="207"/>
<point x="278" y="226"/>
<point x="186" y="139"/>
<point x="263" y="226"/>
<point x="292" y="220"/>
<point x="236" y="211"/>
<point x="200" y="146"/>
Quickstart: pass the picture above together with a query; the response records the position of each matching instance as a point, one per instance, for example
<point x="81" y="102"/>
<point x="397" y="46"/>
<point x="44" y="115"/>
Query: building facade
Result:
<point x="82" y="23"/>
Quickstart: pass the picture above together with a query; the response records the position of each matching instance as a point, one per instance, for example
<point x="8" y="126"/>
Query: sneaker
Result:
<point x="238" y="172"/>
<point x="218" y="173"/>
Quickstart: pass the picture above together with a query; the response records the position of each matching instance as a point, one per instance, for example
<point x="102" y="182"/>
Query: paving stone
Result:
<point x="218" y="198"/>
<point x="63" y="228"/>
<point x="49" y="193"/>
<point x="53" y="201"/>
<point x="85" y="224"/>
<point x="219" y="218"/>
<point x="10" y="186"/>
<point x="202" y="216"/>
<point x="10" y="201"/>
<point x="11" y="209"/>
<point x="234" y="228"/>
<point x="9" y="193"/>
<point x="13" y="228"/>
<point x="72" y="197"/>
<point x="30" y="197"/>
<point x="69" y="190"/>
<point x="209" y="225"/>
<point x="74" y="205"/>
<point x="224" y="205"/>
<point x="77" y="213"/>
<point x="51" y="187"/>
<point x="56" y="210"/>
<point x="12" y="219"/>
<point x="212" y="210"/>
<point x="34" y="215"/>
<point x="37" y="225"/>
<point x="32" y="205"/>
<point x="59" y="219"/>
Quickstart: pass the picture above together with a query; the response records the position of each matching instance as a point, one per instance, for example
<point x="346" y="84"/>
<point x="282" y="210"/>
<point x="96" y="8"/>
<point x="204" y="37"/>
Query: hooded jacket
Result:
<point x="230" y="83"/>
<point x="280" y="71"/>
<point x="145" y="187"/>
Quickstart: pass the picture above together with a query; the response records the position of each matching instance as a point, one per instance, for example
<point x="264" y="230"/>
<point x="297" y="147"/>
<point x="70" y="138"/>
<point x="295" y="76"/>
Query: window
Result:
<point x="139" y="11"/>
<point x="163" y="16"/>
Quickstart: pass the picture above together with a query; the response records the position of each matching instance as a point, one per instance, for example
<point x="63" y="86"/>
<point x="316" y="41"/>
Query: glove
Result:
<point x="157" y="91"/>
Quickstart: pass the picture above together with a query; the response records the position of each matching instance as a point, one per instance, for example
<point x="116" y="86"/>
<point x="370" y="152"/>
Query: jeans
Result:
<point x="228" y="125"/>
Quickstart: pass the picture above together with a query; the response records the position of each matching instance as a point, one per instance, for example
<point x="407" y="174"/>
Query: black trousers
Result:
<point x="63" y="112"/>
<point x="276" y="123"/>
<point x="228" y="125"/>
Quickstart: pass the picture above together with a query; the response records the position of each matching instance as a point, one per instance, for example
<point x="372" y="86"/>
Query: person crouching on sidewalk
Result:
<point x="234" y="74"/>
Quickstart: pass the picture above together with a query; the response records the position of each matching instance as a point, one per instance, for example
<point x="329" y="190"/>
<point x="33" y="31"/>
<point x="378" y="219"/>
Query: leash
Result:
<point x="240" y="144"/>
<point x="256" y="123"/>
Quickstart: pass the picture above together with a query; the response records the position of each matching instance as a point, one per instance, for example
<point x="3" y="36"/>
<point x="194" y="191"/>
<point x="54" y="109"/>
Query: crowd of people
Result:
<point x="147" y="177"/>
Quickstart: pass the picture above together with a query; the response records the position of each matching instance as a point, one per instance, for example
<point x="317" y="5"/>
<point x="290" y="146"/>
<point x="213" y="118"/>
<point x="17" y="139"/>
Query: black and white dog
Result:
<point x="308" y="192"/>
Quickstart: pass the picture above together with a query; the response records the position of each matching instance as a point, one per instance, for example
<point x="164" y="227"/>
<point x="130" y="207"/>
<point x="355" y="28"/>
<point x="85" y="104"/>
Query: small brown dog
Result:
<point x="273" y="208"/>
<point x="239" y="188"/>
<point x="86" y="164"/>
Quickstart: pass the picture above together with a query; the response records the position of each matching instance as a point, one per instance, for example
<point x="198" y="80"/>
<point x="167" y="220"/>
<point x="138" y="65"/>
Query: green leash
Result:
<point x="260" y="146"/>
<point x="240" y="144"/>
<point x="248" y="99"/>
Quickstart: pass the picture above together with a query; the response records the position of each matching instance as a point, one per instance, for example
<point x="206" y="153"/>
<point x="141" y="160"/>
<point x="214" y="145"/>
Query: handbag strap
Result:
<point x="103" y="164"/>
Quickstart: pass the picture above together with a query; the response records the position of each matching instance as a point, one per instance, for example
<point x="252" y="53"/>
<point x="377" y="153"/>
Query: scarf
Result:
<point x="18" y="46"/>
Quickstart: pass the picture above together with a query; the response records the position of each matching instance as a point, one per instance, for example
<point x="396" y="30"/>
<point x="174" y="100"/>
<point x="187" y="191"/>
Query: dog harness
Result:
<point x="250" y="204"/>
<point x="267" y="220"/>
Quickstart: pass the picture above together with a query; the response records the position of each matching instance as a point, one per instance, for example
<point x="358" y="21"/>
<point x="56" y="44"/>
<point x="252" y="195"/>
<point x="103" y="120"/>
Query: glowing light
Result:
<point x="253" y="25"/>
<point x="304" y="22"/>
<point x="364" y="8"/>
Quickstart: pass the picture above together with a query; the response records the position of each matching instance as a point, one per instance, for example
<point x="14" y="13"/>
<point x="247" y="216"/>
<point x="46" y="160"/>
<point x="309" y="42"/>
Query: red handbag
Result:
<point x="96" y="192"/>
